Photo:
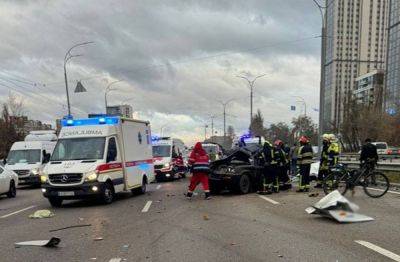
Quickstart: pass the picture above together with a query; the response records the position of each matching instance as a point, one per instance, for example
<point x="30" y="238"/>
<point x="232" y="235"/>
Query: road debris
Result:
<point x="125" y="247"/>
<point x="44" y="213"/>
<point x="75" y="226"/>
<point x="339" y="208"/>
<point x="53" y="242"/>
<point x="98" y="239"/>
<point x="205" y="217"/>
<point x="313" y="194"/>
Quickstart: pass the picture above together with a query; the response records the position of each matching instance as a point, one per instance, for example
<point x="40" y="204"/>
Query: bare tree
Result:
<point x="15" y="105"/>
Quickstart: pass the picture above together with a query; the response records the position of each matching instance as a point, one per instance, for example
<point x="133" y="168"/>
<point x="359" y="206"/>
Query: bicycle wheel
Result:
<point x="375" y="184"/>
<point x="335" y="181"/>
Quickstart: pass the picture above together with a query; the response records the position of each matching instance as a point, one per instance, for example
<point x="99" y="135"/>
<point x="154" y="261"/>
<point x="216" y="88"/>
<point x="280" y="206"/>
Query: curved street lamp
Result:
<point x="107" y="90"/>
<point x="251" y="86"/>
<point x="67" y="57"/>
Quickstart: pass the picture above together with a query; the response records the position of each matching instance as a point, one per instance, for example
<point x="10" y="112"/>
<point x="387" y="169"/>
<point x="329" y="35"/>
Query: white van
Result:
<point x="167" y="157"/>
<point x="98" y="157"/>
<point x="27" y="158"/>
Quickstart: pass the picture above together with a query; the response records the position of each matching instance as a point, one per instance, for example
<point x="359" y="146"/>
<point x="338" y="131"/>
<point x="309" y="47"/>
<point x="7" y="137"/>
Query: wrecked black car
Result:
<point x="239" y="172"/>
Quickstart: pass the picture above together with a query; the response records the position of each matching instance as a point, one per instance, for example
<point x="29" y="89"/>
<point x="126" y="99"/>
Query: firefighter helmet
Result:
<point x="325" y="137"/>
<point x="332" y="137"/>
<point x="303" y="139"/>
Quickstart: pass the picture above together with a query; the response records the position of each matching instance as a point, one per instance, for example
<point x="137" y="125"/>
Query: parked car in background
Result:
<point x="393" y="151"/>
<point x="213" y="150"/>
<point x="8" y="182"/>
<point x="382" y="147"/>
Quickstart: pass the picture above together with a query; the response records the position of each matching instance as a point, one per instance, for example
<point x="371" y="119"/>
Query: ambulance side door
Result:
<point x="113" y="158"/>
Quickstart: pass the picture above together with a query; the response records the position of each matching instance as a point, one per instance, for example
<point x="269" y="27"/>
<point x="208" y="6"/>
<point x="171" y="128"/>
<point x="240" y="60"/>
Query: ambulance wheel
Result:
<point x="142" y="189"/>
<point x="55" y="201"/>
<point x="107" y="196"/>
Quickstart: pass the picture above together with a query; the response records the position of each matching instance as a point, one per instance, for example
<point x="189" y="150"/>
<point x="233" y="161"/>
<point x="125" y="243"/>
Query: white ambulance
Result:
<point x="27" y="158"/>
<point x="168" y="159"/>
<point x="98" y="157"/>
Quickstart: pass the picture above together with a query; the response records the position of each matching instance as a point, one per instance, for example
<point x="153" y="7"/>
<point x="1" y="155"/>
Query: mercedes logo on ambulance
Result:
<point x="64" y="178"/>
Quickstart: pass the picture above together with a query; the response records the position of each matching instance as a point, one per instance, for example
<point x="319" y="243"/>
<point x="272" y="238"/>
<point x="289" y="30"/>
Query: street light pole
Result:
<point x="224" y="104"/>
<point x="305" y="110"/>
<point x="108" y="89"/>
<point x="251" y="86"/>
<point x="322" y="9"/>
<point x="67" y="57"/>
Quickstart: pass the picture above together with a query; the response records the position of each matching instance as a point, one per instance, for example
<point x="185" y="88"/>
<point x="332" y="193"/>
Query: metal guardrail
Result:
<point x="382" y="166"/>
<point x="356" y="156"/>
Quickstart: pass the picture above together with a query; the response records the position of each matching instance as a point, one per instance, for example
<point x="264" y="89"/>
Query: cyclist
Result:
<point x="369" y="153"/>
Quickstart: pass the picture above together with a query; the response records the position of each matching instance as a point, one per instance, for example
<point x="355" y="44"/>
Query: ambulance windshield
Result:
<point x="24" y="156"/>
<point x="162" y="151"/>
<point x="88" y="148"/>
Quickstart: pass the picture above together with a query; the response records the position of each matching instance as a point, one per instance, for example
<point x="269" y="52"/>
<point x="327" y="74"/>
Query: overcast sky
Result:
<point x="176" y="59"/>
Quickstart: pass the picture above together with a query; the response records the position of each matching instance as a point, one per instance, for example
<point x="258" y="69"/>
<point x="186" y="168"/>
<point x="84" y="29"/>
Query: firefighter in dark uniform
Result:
<point x="304" y="161"/>
<point x="267" y="179"/>
<point x="281" y="168"/>
<point x="324" y="161"/>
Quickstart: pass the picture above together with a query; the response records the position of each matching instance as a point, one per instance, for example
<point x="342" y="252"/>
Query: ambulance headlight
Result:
<point x="35" y="171"/>
<point x="43" y="179"/>
<point x="91" y="176"/>
<point x="167" y="165"/>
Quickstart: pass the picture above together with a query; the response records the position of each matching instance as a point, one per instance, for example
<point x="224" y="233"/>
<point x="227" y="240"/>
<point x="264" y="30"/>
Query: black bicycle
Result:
<point x="374" y="183"/>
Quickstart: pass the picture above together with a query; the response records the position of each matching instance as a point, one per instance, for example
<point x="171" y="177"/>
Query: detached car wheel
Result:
<point x="12" y="192"/>
<point x="55" y="201"/>
<point x="243" y="184"/>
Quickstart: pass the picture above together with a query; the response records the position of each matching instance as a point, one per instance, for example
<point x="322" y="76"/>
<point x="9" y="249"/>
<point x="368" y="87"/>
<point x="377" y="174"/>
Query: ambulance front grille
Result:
<point x="158" y="166"/>
<point x="71" y="178"/>
<point x="22" y="172"/>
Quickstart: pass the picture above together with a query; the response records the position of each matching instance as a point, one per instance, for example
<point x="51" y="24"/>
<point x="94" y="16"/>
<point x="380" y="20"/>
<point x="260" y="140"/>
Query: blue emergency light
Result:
<point x="90" y="121"/>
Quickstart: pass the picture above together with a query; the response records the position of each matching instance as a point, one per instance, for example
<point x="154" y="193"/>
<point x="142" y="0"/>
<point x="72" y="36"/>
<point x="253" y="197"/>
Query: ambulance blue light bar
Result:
<point x="90" y="121"/>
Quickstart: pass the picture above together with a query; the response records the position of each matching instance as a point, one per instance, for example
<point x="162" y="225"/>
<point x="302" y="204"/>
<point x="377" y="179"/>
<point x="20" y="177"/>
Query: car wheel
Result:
<point x="243" y="185"/>
<point x="55" y="201"/>
<point x="12" y="192"/>
<point x="107" y="196"/>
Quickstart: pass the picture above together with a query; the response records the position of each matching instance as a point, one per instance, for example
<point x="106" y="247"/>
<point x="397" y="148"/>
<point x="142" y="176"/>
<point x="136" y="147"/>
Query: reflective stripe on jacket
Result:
<point x="305" y="156"/>
<point x="333" y="153"/>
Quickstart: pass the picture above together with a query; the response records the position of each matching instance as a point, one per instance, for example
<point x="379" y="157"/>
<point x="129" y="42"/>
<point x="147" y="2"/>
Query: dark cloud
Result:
<point x="175" y="57"/>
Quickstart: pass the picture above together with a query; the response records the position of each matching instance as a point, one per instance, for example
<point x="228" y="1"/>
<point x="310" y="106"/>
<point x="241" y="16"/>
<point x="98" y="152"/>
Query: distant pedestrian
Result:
<point x="199" y="161"/>
<point x="294" y="151"/>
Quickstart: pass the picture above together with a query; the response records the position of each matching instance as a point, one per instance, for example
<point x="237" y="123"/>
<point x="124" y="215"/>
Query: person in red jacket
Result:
<point x="200" y="163"/>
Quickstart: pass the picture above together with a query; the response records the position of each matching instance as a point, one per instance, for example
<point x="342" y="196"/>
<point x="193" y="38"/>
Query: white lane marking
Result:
<point x="18" y="211"/>
<point x="158" y="187"/>
<point x="147" y="206"/>
<point x="269" y="200"/>
<point x="389" y="191"/>
<point x="380" y="250"/>
<point x="116" y="259"/>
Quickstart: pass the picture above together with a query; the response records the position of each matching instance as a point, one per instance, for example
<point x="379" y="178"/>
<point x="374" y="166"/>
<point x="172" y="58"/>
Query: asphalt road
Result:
<point x="171" y="228"/>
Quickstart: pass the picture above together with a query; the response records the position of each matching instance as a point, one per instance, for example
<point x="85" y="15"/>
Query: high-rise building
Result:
<point x="392" y="92"/>
<point x="369" y="89"/>
<point x="120" y="110"/>
<point x="355" y="45"/>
